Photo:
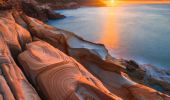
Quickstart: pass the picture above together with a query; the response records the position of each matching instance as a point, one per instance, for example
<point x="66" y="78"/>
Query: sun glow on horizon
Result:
<point x="110" y="2"/>
<point x="122" y="2"/>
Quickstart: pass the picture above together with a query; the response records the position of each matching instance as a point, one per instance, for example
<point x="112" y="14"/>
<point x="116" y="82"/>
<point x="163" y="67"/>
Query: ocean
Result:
<point x="137" y="32"/>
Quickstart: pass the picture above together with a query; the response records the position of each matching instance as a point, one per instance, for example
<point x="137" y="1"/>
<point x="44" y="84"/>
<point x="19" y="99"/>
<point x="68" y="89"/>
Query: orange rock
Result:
<point x="5" y="92"/>
<point x="96" y="61"/>
<point x="59" y="76"/>
<point x="14" y="35"/>
<point x="40" y="30"/>
<point x="20" y="88"/>
<point x="24" y="36"/>
<point x="141" y="92"/>
<point x="71" y="44"/>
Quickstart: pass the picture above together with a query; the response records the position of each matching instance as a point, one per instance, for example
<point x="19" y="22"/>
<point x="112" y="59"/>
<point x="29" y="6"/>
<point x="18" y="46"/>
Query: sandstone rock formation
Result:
<point x="13" y="83"/>
<point x="14" y="35"/>
<point x="59" y="76"/>
<point x="96" y="59"/>
<point x="42" y="57"/>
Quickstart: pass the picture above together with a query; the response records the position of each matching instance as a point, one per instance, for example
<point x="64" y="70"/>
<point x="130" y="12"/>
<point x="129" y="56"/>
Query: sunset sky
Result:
<point x="111" y="2"/>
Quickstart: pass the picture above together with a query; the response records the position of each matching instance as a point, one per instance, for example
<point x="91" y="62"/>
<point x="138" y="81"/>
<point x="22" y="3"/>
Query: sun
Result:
<point x="110" y="2"/>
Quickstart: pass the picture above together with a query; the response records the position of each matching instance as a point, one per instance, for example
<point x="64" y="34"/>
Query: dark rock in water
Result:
<point x="132" y="65"/>
<point x="158" y="76"/>
<point x="52" y="15"/>
<point x="70" y="5"/>
<point x="149" y="75"/>
<point x="134" y="70"/>
<point x="43" y="13"/>
<point x="33" y="11"/>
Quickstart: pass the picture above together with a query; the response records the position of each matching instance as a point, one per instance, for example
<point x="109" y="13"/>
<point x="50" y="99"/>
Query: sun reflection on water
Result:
<point x="110" y="36"/>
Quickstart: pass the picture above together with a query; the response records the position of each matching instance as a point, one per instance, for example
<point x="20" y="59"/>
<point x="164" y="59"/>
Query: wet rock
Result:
<point x="149" y="75"/>
<point x="134" y="70"/>
<point x="155" y="75"/>
<point x="59" y="76"/>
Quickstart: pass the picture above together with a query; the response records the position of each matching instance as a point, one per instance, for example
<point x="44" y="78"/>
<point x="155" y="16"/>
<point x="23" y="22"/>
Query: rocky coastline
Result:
<point x="39" y="61"/>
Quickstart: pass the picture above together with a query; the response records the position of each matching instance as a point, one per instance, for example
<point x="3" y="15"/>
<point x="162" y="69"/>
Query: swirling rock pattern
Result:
<point x="107" y="69"/>
<point x="59" y="76"/>
<point x="70" y="43"/>
<point x="55" y="75"/>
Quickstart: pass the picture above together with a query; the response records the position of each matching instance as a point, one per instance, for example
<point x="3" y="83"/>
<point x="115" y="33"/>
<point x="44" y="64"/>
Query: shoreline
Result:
<point x="147" y="73"/>
<point x="39" y="61"/>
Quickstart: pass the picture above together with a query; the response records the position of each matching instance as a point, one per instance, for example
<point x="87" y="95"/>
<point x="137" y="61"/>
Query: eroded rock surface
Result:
<point x="72" y="44"/>
<point x="14" y="35"/>
<point x="96" y="59"/>
<point x="59" y="76"/>
<point x="13" y="83"/>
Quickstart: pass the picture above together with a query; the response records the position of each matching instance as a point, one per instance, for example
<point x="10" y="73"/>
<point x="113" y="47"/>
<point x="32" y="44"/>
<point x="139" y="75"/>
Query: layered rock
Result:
<point x="96" y="59"/>
<point x="59" y="76"/>
<point x="73" y="45"/>
<point x="40" y="30"/>
<point x="14" y="35"/>
<point x="6" y="93"/>
<point x="14" y="85"/>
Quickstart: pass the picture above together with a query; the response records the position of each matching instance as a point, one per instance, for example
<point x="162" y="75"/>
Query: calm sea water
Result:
<point x="139" y="32"/>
